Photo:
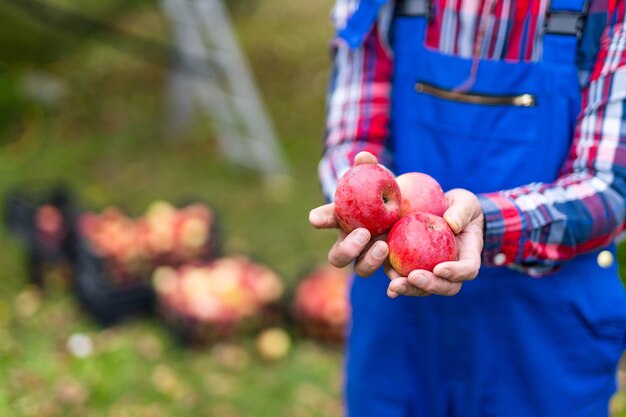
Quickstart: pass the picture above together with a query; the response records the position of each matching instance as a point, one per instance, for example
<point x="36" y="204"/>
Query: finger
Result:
<point x="323" y="217"/>
<point x="391" y="273"/>
<point x="348" y="247"/>
<point x="458" y="271"/>
<point x="372" y="259"/>
<point x="429" y="282"/>
<point x="462" y="207"/>
<point x="365" y="157"/>
<point x="401" y="286"/>
<point x="468" y="264"/>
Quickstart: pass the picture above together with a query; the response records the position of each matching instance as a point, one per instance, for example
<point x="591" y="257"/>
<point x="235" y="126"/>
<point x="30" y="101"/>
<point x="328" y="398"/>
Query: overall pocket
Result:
<point x="476" y="116"/>
<point x="483" y="141"/>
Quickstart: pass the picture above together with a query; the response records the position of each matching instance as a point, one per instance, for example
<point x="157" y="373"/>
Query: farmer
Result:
<point x="518" y="108"/>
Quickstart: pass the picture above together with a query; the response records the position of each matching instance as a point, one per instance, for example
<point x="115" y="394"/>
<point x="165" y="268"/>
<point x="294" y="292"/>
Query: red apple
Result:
<point x="420" y="241"/>
<point x="421" y="192"/>
<point x="49" y="221"/>
<point x="367" y="196"/>
<point x="321" y="304"/>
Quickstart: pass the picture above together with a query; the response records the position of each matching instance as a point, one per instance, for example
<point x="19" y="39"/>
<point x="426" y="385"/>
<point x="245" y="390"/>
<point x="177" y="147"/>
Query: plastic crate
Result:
<point x="106" y="302"/>
<point x="194" y="333"/>
<point x="20" y="217"/>
<point x="190" y="330"/>
<point x="112" y="294"/>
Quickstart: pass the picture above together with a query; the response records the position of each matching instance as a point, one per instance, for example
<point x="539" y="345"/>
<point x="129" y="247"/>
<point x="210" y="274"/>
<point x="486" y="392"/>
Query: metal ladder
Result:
<point x="210" y="71"/>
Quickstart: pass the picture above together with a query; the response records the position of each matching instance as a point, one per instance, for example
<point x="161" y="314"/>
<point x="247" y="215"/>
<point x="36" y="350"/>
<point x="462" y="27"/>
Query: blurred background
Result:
<point x="151" y="264"/>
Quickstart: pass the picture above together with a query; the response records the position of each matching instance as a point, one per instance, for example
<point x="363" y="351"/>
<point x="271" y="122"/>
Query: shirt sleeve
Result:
<point x="539" y="226"/>
<point x="358" y="100"/>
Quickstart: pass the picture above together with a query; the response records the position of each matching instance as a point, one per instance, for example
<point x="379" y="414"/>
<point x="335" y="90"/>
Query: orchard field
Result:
<point x="104" y="137"/>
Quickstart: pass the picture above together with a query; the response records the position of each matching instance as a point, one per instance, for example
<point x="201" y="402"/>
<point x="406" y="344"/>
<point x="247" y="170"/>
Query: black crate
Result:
<point x="193" y="333"/>
<point x="110" y="299"/>
<point x="107" y="302"/>
<point x="43" y="253"/>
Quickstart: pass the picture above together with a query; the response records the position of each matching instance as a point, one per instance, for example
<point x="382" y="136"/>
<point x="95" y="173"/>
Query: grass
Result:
<point x="106" y="140"/>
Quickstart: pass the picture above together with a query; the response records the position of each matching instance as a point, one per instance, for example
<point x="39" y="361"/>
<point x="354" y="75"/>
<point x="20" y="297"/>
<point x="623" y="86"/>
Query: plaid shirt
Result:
<point x="538" y="226"/>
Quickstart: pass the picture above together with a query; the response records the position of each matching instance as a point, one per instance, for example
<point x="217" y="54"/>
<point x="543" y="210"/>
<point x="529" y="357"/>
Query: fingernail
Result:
<point x="454" y="218"/>
<point x="444" y="273"/>
<point x="362" y="237"/>
<point x="315" y="217"/>
<point x="392" y="294"/>
<point x="379" y="252"/>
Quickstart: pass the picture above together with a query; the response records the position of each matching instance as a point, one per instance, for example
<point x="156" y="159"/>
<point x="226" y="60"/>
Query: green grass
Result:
<point x="105" y="139"/>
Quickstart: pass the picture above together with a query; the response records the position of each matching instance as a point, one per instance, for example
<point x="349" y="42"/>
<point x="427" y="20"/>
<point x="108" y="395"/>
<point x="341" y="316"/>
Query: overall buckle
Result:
<point x="565" y="22"/>
<point x="557" y="22"/>
<point x="413" y="8"/>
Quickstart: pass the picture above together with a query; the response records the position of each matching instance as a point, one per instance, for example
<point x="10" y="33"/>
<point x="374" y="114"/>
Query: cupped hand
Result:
<point x="368" y="253"/>
<point x="465" y="217"/>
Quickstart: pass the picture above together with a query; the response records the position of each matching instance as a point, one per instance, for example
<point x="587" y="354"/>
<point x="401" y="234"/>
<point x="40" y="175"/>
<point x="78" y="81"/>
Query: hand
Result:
<point x="465" y="217"/>
<point x="358" y="245"/>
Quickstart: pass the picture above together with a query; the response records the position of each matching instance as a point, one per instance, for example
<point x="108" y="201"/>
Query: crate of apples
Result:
<point x="165" y="235"/>
<point x="204" y="302"/>
<point x="116" y="254"/>
<point x="41" y="217"/>
<point x="320" y="304"/>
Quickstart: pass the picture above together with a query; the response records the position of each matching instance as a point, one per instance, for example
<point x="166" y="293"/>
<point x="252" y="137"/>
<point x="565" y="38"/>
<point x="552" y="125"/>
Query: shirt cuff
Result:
<point x="503" y="232"/>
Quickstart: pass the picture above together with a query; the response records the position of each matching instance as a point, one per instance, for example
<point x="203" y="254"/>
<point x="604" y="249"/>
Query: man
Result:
<point x="517" y="108"/>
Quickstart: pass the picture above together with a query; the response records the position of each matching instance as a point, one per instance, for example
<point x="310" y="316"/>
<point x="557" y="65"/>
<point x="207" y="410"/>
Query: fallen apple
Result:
<point x="273" y="344"/>
<point x="321" y="303"/>
<point x="420" y="241"/>
<point x="367" y="196"/>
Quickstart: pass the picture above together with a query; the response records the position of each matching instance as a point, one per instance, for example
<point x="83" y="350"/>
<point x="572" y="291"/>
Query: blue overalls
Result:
<point x="507" y="345"/>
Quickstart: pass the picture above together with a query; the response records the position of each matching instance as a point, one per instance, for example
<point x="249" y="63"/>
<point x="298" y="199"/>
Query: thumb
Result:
<point x="463" y="207"/>
<point x="365" y="157"/>
<point x="323" y="217"/>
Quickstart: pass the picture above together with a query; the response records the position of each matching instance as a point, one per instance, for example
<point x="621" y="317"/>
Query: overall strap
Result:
<point x="413" y="8"/>
<point x="361" y="22"/>
<point x="563" y="28"/>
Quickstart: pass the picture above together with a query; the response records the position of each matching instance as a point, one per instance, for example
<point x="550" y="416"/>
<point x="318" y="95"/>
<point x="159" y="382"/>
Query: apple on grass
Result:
<point x="273" y="344"/>
<point x="421" y="193"/>
<point x="367" y="196"/>
<point x="420" y="241"/>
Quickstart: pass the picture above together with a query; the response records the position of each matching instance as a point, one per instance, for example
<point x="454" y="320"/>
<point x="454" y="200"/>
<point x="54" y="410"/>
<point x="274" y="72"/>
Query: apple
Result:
<point x="421" y="192"/>
<point x="49" y="222"/>
<point x="273" y="344"/>
<point x="193" y="233"/>
<point x="321" y="304"/>
<point x="164" y="235"/>
<point x="420" y="241"/>
<point x="368" y="196"/>
<point x="226" y="291"/>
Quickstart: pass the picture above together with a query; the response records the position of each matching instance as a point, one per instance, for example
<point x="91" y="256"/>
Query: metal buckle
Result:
<point x="412" y="8"/>
<point x="565" y="23"/>
<point x="559" y="22"/>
